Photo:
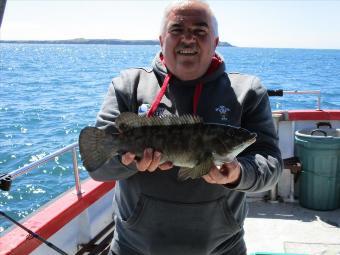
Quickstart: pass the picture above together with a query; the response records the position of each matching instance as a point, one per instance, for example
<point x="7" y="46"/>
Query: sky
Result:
<point x="275" y="24"/>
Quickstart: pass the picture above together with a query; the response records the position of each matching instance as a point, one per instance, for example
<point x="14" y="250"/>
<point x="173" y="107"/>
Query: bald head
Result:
<point x="183" y="4"/>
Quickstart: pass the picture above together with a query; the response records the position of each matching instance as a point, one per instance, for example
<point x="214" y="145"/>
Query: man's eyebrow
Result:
<point x="176" y="25"/>
<point x="202" y="24"/>
<point x="198" y="24"/>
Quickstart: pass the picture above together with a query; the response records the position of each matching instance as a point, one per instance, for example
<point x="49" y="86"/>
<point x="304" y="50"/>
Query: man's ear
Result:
<point x="161" y="40"/>
<point x="217" y="39"/>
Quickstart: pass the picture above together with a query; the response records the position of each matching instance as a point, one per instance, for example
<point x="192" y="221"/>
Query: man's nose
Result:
<point x="189" y="37"/>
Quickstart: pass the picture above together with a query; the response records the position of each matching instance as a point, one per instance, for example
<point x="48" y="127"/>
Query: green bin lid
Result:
<point x="319" y="133"/>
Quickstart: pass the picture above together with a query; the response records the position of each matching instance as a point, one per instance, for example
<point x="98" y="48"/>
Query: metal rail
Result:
<point x="2" y="10"/>
<point x="280" y="93"/>
<point x="7" y="178"/>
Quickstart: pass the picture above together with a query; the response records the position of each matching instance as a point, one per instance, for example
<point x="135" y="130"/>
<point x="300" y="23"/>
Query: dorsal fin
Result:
<point x="129" y="120"/>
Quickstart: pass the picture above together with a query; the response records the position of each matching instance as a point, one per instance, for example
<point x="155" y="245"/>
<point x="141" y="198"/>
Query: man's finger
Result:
<point x="127" y="158"/>
<point x="166" y="165"/>
<point x="155" y="161"/>
<point x="145" y="162"/>
<point x="231" y="165"/>
<point x="215" y="174"/>
<point x="208" y="179"/>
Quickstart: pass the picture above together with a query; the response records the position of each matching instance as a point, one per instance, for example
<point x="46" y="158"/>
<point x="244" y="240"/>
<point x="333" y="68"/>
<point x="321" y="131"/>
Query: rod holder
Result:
<point x="5" y="182"/>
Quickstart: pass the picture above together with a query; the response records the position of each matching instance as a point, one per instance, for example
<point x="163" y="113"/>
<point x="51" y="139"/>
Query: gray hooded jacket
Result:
<point x="157" y="214"/>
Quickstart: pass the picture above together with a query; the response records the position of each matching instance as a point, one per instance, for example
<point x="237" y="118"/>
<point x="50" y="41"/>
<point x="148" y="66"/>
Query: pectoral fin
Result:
<point x="195" y="172"/>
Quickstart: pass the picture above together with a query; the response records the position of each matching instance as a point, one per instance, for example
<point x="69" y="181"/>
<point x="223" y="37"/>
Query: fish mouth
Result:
<point x="220" y="159"/>
<point x="252" y="140"/>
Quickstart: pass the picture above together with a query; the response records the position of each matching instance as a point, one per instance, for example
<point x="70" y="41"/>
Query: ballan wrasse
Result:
<point x="186" y="141"/>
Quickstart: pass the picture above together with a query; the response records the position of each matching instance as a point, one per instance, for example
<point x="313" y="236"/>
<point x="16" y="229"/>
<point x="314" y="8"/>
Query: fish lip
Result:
<point x="252" y="140"/>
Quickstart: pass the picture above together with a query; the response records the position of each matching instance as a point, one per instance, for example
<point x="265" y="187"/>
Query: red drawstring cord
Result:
<point x="160" y="95"/>
<point x="197" y="94"/>
<point x="216" y="61"/>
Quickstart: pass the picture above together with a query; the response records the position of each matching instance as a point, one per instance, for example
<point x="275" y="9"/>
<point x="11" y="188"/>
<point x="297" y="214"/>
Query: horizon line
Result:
<point x="81" y="40"/>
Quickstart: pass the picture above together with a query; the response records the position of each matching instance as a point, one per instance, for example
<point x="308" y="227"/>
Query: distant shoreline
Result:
<point x="97" y="41"/>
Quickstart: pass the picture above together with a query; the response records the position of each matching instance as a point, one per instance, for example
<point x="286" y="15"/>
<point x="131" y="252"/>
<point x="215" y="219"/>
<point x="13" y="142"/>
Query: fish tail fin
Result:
<point x="96" y="146"/>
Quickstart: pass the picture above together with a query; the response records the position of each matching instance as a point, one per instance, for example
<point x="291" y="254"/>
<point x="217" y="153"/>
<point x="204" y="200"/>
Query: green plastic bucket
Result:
<point x="319" y="153"/>
<point x="319" y="192"/>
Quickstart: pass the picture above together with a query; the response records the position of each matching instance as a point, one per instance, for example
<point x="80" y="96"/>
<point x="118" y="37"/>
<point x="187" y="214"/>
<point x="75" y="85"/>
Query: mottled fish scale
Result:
<point x="185" y="141"/>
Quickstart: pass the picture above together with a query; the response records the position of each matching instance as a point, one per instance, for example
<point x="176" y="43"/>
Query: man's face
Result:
<point x="188" y="41"/>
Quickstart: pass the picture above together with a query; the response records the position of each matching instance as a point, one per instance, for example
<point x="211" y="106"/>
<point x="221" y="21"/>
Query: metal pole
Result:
<point x="2" y="9"/>
<point x="273" y="193"/>
<point x="301" y="92"/>
<point x="6" y="179"/>
<point x="27" y="168"/>
<point x="306" y="92"/>
<point x="76" y="172"/>
<point x="281" y="92"/>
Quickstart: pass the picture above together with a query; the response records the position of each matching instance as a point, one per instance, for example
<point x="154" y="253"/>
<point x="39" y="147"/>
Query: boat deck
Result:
<point x="272" y="228"/>
<point x="290" y="228"/>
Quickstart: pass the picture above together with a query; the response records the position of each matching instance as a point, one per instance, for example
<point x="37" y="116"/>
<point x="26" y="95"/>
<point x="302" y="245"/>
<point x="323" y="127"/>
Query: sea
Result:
<point x="49" y="92"/>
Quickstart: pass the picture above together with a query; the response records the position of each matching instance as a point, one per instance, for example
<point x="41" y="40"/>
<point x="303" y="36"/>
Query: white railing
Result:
<point x="281" y="92"/>
<point x="6" y="179"/>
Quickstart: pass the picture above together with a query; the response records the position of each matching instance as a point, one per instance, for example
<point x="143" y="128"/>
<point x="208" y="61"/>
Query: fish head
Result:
<point x="232" y="141"/>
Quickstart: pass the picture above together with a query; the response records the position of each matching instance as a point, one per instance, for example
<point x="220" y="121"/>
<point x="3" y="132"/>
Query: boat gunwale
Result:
<point x="51" y="218"/>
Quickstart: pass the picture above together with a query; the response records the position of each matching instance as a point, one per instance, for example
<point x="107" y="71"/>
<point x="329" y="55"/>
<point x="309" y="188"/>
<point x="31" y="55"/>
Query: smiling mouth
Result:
<point x="187" y="52"/>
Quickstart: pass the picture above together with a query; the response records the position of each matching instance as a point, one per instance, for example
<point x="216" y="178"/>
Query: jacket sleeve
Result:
<point x="261" y="163"/>
<point x="117" y="100"/>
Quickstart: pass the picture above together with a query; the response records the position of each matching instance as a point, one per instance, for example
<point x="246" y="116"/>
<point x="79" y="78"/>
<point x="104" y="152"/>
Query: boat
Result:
<point x="80" y="221"/>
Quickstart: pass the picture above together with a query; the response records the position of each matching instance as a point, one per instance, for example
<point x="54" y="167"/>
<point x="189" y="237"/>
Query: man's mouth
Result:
<point x="187" y="52"/>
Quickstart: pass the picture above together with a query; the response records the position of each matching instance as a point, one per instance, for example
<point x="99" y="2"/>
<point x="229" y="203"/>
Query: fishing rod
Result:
<point x="35" y="235"/>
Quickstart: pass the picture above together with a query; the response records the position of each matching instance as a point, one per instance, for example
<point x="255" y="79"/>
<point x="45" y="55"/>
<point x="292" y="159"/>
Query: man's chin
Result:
<point x="187" y="76"/>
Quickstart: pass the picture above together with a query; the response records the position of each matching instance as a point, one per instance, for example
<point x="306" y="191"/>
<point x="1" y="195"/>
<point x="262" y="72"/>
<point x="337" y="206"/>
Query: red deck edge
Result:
<point x="312" y="115"/>
<point x="51" y="218"/>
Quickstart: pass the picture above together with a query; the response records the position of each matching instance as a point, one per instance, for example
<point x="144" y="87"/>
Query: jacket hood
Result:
<point x="160" y="69"/>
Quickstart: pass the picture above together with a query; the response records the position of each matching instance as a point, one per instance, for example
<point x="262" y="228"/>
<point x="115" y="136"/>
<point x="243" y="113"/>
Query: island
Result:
<point x="97" y="41"/>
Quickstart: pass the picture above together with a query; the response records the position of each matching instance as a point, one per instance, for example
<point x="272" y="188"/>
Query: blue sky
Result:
<point x="282" y="24"/>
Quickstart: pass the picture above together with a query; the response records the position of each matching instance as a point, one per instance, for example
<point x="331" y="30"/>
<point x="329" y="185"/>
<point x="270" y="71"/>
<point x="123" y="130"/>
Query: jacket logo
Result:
<point x="223" y="111"/>
<point x="143" y="109"/>
<point x="160" y="111"/>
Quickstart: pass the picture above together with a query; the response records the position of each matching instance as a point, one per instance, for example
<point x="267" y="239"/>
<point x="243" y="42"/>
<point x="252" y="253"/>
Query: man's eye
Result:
<point x="200" y="32"/>
<point x="176" y="31"/>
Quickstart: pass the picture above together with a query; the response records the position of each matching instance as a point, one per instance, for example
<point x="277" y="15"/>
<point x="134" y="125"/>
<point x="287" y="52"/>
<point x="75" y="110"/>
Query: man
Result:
<point x="154" y="212"/>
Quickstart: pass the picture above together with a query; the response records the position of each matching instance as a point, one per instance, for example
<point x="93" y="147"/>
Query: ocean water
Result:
<point x="48" y="93"/>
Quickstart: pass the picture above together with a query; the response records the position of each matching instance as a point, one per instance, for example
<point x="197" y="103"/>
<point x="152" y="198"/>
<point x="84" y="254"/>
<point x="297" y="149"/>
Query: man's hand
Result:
<point x="229" y="173"/>
<point x="149" y="161"/>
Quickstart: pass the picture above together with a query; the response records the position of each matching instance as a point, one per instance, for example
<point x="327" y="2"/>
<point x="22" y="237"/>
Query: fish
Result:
<point x="189" y="143"/>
